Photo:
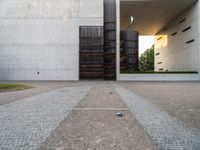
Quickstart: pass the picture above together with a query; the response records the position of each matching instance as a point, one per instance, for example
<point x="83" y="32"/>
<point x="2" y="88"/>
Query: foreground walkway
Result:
<point x="83" y="117"/>
<point x="25" y="124"/>
<point x="166" y="131"/>
<point x="93" y="125"/>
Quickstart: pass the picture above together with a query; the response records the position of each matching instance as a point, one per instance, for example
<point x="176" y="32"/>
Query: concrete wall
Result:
<point x="39" y="40"/>
<point x="118" y="40"/>
<point x="175" y="54"/>
<point x="160" y="77"/>
<point x="171" y="51"/>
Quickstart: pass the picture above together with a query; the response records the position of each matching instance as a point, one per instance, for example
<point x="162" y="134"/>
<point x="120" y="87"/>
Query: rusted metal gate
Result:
<point x="91" y="52"/>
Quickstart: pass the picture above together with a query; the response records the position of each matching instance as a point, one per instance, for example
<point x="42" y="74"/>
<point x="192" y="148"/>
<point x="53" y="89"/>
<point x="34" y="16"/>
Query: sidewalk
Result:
<point x="82" y="116"/>
<point x="93" y="125"/>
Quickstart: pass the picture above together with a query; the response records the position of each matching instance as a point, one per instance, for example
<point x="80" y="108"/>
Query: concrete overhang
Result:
<point x="151" y="15"/>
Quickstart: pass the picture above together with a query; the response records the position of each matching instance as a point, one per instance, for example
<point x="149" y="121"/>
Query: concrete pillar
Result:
<point x="118" y="40"/>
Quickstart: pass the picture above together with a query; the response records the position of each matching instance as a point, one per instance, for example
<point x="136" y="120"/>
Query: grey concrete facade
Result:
<point x="39" y="40"/>
<point x="172" y="52"/>
<point x="175" y="54"/>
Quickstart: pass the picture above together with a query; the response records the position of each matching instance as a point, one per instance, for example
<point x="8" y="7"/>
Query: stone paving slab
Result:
<point x="26" y="123"/>
<point x="102" y="96"/>
<point x="166" y="131"/>
<point x="98" y="130"/>
<point x="93" y="125"/>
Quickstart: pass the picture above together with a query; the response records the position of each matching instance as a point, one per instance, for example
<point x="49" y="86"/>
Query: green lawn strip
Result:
<point x="13" y="87"/>
<point x="172" y="72"/>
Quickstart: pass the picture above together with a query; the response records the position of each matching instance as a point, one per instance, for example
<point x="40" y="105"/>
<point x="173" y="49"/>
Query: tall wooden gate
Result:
<point x="91" y="52"/>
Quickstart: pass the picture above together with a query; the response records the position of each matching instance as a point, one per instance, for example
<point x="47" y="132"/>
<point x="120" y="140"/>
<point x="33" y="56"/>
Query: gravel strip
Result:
<point x="26" y="123"/>
<point x="165" y="130"/>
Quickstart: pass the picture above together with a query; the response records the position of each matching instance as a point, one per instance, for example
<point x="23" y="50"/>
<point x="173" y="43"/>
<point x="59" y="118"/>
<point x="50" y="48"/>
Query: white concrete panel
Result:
<point x="34" y="31"/>
<point x="44" y="75"/>
<point x="34" y="59"/>
<point x="39" y="9"/>
<point x="178" y="55"/>
<point x="39" y="40"/>
<point x="160" y="77"/>
<point x="91" y="8"/>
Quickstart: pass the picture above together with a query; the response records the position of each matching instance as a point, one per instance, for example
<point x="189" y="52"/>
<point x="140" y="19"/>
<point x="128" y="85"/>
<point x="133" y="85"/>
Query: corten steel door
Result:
<point x="91" y="52"/>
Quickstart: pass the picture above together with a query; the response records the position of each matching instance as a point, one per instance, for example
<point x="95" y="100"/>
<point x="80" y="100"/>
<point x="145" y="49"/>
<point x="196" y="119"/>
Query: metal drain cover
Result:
<point x="119" y="114"/>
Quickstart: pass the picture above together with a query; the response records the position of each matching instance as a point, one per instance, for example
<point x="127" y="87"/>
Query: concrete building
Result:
<point x="175" y="25"/>
<point x="177" y="44"/>
<point x="39" y="40"/>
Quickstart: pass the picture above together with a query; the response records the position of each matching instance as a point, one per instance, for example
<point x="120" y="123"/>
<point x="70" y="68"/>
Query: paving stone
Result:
<point x="179" y="99"/>
<point x="93" y="125"/>
<point x="26" y="123"/>
<point x="166" y="131"/>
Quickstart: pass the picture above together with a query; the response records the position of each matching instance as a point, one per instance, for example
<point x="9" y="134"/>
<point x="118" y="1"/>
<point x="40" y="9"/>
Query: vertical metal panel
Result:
<point x="129" y="51"/>
<point x="91" y="52"/>
<point x="109" y="39"/>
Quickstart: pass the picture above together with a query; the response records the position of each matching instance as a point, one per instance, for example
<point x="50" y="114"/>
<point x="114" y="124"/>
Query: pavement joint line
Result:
<point x="25" y="124"/>
<point x="166" y="131"/>
<point x="102" y="109"/>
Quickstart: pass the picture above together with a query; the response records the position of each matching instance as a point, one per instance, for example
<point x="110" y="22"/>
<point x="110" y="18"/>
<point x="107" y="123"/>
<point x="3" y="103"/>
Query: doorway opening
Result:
<point x="174" y="49"/>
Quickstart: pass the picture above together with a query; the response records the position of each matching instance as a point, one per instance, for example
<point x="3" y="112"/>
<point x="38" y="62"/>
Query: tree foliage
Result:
<point x="147" y="60"/>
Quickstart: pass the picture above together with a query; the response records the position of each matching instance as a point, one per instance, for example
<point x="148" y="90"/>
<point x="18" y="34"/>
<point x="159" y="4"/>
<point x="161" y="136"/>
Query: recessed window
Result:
<point x="159" y="38"/>
<point x="173" y="34"/>
<point x="157" y="54"/>
<point x="161" y="69"/>
<point x="159" y="63"/>
<point x="186" y="29"/>
<point x="190" y="41"/>
<point x="182" y="21"/>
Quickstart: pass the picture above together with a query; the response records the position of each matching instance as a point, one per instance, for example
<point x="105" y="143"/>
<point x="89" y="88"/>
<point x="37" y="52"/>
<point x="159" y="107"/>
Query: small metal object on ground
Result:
<point x="119" y="114"/>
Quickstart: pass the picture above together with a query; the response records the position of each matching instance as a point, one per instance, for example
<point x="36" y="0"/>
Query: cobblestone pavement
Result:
<point x="82" y="116"/>
<point x="166" y="131"/>
<point x="38" y="88"/>
<point x="179" y="99"/>
<point x="26" y="123"/>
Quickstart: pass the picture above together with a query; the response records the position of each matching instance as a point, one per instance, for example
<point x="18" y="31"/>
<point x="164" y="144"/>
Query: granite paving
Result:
<point x="26" y="123"/>
<point x="166" y="131"/>
<point x="83" y="116"/>
<point x="38" y="88"/>
<point x="179" y="99"/>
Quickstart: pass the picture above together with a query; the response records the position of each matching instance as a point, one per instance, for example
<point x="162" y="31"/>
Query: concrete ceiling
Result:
<point x="151" y="15"/>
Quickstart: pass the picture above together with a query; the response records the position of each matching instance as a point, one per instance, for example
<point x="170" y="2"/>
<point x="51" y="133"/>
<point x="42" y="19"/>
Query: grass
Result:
<point x="13" y="87"/>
